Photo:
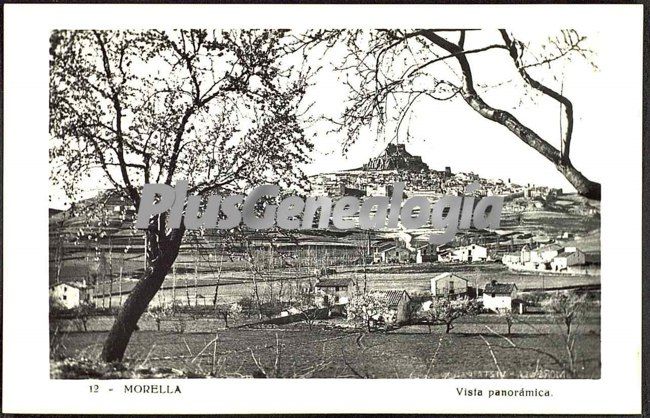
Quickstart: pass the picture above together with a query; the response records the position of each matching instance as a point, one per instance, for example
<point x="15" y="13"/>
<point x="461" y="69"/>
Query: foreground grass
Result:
<point x="473" y="350"/>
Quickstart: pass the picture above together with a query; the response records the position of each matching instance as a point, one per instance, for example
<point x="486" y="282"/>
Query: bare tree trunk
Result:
<point x="139" y="298"/>
<point x="253" y="268"/>
<point x="584" y="186"/>
<point x="216" y="287"/>
<point x="196" y="273"/>
<point x="120" y="282"/>
<point x="173" y="288"/>
<point x="110" y="272"/>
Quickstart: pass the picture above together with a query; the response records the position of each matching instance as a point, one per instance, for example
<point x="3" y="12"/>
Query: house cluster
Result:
<point x="395" y="252"/>
<point x="465" y="254"/>
<point x="429" y="183"/>
<point x="395" y="163"/>
<point x="553" y="257"/>
<point x="496" y="297"/>
<point x="399" y="252"/>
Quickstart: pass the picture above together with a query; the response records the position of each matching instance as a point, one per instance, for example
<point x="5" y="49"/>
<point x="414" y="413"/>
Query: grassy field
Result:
<point x="472" y="350"/>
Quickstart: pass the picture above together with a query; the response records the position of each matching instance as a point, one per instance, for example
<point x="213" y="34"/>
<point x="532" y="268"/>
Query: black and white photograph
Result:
<point x="210" y="207"/>
<point x="227" y="111"/>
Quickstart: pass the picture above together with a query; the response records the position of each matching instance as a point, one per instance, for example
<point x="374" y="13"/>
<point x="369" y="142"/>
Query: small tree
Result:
<point x="306" y="304"/>
<point x="271" y="308"/>
<point x="247" y="304"/>
<point x="509" y="316"/>
<point x="566" y="309"/>
<point x="445" y="311"/>
<point x="231" y="311"/>
<point x="159" y="314"/>
<point x="82" y="314"/>
<point x="369" y="307"/>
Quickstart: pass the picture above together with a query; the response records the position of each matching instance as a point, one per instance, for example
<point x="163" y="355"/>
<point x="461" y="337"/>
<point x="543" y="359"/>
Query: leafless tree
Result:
<point x="446" y="311"/>
<point x="387" y="71"/>
<point x="566" y="310"/>
<point x="216" y="108"/>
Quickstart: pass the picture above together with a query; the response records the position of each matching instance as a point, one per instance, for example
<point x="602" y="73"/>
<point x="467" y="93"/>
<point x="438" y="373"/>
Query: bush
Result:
<point x="271" y="309"/>
<point x="248" y="305"/>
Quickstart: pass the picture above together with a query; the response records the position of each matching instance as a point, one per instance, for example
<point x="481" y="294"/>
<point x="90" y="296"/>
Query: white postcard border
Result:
<point x="26" y="383"/>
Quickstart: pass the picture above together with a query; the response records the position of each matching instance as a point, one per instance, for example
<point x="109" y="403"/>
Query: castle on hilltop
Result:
<point x="396" y="157"/>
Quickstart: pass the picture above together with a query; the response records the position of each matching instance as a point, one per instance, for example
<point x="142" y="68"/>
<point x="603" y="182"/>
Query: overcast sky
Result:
<point x="450" y="133"/>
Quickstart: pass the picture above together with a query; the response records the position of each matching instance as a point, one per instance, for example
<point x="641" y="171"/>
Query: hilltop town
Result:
<point x="548" y="242"/>
<point x="395" y="163"/>
<point x="100" y="236"/>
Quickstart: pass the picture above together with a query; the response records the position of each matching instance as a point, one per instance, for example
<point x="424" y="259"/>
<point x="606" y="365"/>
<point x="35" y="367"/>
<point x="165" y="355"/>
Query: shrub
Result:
<point x="370" y="308"/>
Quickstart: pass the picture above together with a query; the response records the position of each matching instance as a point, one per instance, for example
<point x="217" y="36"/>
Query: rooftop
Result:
<point x="445" y="275"/>
<point x="78" y="285"/>
<point x="500" y="288"/>
<point x="393" y="296"/>
<point x="334" y="283"/>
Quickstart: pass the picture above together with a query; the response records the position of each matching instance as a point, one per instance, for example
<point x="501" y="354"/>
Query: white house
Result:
<point x="468" y="253"/>
<point x="334" y="291"/>
<point x="545" y="254"/>
<point x="498" y="296"/>
<point x="548" y="257"/>
<point x="448" y="285"/>
<point x="568" y="256"/>
<point x="511" y="259"/>
<point x="70" y="295"/>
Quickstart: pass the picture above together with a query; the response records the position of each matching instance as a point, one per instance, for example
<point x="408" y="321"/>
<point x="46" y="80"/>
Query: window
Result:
<point x="65" y="289"/>
<point x="65" y="297"/>
<point x="451" y="287"/>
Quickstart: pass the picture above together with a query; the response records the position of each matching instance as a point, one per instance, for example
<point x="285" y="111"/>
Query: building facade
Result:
<point x="498" y="297"/>
<point x="449" y="285"/>
<point x="70" y="295"/>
